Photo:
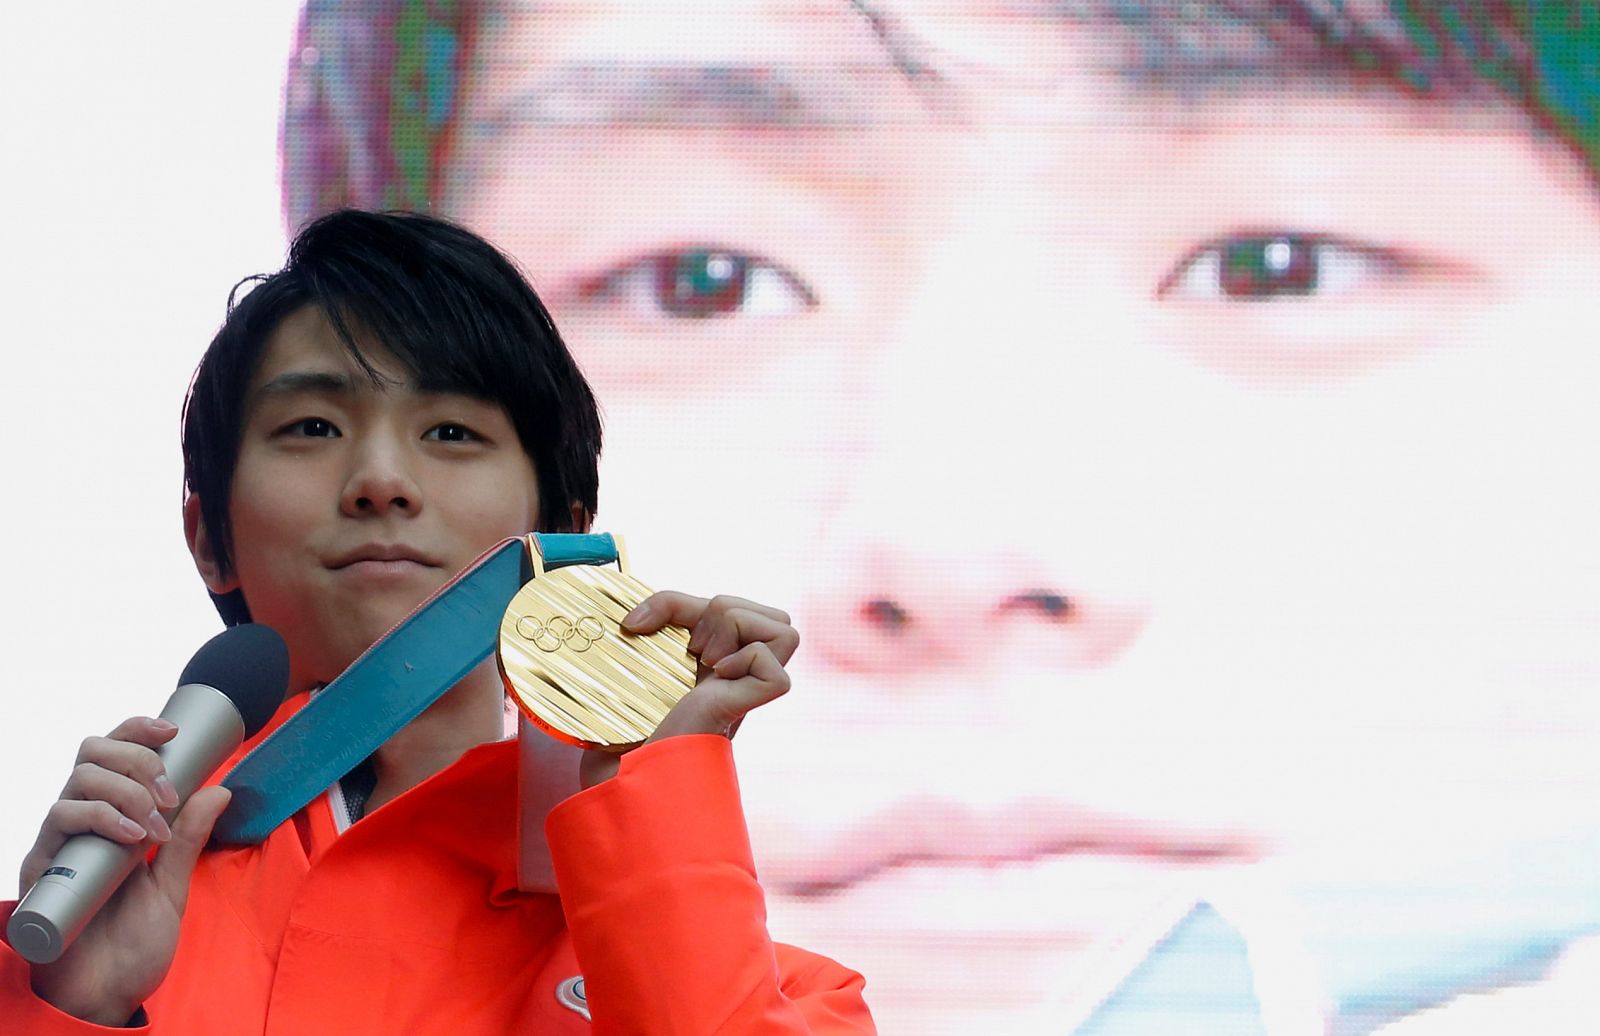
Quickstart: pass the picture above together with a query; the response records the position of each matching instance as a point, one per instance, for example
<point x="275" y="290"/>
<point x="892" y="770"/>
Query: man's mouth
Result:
<point x="382" y="557"/>
<point x="934" y="833"/>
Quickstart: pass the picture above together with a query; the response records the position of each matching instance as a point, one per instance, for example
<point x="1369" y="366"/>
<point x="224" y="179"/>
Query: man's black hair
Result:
<point x="450" y="308"/>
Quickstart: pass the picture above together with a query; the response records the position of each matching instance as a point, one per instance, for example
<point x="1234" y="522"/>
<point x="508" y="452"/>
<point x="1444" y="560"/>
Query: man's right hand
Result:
<point x="116" y="790"/>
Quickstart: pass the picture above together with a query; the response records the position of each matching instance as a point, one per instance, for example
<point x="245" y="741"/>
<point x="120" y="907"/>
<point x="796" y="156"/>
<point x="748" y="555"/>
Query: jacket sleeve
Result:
<point x="667" y="918"/>
<point x="25" y="1012"/>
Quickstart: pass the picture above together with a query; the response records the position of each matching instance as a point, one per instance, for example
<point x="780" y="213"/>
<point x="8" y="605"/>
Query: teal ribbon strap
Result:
<point x="390" y="685"/>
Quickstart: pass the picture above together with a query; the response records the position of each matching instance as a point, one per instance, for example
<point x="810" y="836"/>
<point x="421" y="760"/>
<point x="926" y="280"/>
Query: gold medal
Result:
<point x="573" y="671"/>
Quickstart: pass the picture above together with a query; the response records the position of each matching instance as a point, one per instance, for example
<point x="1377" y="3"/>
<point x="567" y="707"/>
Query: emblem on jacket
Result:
<point x="570" y="995"/>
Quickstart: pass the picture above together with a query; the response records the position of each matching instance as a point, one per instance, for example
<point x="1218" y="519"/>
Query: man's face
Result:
<point x="352" y="501"/>
<point x="1164" y="479"/>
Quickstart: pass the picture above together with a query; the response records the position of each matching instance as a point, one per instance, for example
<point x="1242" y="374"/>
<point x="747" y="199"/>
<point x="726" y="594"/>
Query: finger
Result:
<point x="756" y="675"/>
<point x="174" y="864"/>
<point x="727" y="602"/>
<point x="671" y="608"/>
<point x="68" y="817"/>
<point x="726" y="633"/>
<point x="135" y="758"/>
<point x="720" y="606"/>
<point x="665" y="608"/>
<point x="150" y="731"/>
<point x="745" y="680"/>
<point x="132" y="799"/>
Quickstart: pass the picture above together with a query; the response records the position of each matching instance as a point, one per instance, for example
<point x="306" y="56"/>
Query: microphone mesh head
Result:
<point x="249" y="664"/>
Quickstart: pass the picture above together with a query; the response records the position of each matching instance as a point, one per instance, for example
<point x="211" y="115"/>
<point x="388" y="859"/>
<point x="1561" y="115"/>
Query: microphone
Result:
<point x="227" y="692"/>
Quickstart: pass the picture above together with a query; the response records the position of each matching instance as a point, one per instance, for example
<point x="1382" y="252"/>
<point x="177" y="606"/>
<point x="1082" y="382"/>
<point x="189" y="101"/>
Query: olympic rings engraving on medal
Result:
<point x="550" y="636"/>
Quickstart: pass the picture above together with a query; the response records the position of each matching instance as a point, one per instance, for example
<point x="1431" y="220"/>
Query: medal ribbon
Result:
<point x="409" y="668"/>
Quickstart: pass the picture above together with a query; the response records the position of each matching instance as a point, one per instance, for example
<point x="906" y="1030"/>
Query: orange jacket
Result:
<point x="412" y="922"/>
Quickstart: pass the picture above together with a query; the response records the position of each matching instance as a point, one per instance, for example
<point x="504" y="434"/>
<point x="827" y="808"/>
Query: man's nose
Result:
<point x="892" y="611"/>
<point x="993" y="502"/>
<point x="380" y="483"/>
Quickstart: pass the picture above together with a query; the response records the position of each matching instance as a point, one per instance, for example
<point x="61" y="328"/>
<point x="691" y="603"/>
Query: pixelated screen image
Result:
<point x="1172" y="425"/>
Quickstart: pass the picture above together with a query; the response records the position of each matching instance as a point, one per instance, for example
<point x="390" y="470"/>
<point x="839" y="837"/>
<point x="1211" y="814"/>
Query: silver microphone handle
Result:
<point x="88" y="869"/>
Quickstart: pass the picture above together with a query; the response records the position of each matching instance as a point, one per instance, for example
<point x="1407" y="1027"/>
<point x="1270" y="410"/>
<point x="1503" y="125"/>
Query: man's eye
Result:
<point x="1050" y="605"/>
<point x="702" y="282"/>
<point x="450" y="432"/>
<point x="1266" y="267"/>
<point x="312" y="428"/>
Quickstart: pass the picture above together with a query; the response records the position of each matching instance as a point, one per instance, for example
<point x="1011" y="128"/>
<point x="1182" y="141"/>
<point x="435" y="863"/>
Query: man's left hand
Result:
<point x="742" y="647"/>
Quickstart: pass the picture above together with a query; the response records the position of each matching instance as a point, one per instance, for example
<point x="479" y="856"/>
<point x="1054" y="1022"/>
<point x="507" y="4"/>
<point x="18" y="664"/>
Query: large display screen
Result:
<point x="1173" y="426"/>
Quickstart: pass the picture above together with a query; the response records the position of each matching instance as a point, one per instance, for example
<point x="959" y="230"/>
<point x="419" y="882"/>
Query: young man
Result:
<point x="1176" y="419"/>
<point x="366" y="423"/>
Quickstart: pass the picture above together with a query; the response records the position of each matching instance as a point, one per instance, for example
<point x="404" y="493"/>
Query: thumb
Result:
<point x="174" y="863"/>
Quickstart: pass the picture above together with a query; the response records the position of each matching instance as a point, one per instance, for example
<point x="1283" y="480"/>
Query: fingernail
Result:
<point x="163" y="725"/>
<point x="133" y="829"/>
<point x="721" y="665"/>
<point x="638" y="616"/>
<point x="166" y="794"/>
<point x="158" y="826"/>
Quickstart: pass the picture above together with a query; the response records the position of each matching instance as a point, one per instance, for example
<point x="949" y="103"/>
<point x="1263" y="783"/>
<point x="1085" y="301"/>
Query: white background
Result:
<point x="139" y="182"/>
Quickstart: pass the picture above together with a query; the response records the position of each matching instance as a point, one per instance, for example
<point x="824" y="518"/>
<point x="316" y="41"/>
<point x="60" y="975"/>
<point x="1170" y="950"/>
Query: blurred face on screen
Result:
<point x="1177" y="461"/>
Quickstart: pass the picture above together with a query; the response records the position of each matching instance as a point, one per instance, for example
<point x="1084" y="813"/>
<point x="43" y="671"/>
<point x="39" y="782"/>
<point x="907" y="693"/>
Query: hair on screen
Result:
<point x="374" y="99"/>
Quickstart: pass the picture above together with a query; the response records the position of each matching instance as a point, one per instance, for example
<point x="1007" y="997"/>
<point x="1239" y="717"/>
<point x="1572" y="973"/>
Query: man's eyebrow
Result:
<point x="1155" y="45"/>
<point x="290" y="383"/>
<point x="330" y="383"/>
<point x="794" y="95"/>
<point x="1193" y="47"/>
<point x="675" y="94"/>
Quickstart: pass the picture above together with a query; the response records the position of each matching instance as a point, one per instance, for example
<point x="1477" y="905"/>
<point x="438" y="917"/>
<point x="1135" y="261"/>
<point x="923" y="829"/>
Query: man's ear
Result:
<point x="581" y="518"/>
<point x="205" y="559"/>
